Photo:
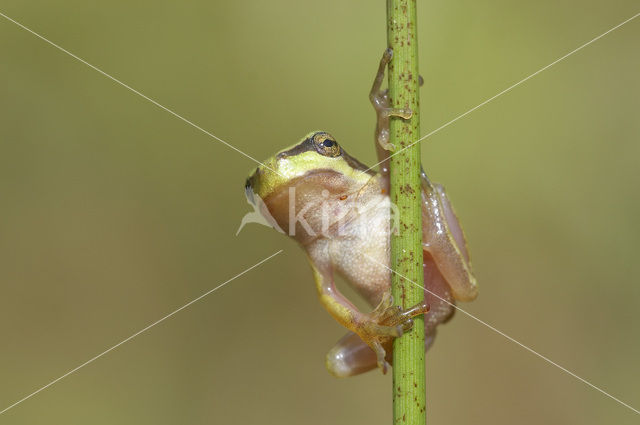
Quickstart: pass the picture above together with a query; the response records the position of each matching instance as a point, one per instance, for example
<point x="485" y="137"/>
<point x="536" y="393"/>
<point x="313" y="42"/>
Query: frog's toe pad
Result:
<point x="389" y="315"/>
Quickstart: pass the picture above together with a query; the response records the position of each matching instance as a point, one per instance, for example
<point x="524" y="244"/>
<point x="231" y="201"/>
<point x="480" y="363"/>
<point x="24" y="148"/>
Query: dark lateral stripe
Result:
<point x="308" y="145"/>
<point x="304" y="146"/>
<point x="355" y="164"/>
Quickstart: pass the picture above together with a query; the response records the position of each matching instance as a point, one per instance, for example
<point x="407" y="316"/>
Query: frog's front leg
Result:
<point x="377" y="328"/>
<point x="380" y="101"/>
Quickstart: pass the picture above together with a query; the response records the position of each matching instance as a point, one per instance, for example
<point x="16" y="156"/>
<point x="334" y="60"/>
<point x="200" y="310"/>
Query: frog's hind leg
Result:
<point x="352" y="356"/>
<point x="437" y="295"/>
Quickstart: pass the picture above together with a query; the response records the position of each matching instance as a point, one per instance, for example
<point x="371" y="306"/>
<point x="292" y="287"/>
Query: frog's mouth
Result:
<point x="248" y="191"/>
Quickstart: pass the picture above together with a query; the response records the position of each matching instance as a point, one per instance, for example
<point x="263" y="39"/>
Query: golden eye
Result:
<point x="326" y="145"/>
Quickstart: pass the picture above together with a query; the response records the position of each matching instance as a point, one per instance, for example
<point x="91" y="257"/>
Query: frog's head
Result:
<point x="314" y="170"/>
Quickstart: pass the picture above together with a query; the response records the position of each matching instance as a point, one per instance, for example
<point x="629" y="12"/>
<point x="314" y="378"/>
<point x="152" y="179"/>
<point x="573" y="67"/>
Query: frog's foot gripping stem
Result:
<point x="380" y="101"/>
<point x="386" y="322"/>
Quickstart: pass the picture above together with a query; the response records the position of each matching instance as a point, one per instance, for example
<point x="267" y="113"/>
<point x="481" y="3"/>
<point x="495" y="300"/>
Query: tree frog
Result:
<point x="339" y="211"/>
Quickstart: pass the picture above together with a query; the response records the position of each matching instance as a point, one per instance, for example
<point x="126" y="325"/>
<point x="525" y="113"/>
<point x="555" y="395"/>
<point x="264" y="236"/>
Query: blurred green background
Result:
<point x="114" y="213"/>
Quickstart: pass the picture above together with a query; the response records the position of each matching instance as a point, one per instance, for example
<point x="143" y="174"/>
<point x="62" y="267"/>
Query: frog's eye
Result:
<point x="326" y="145"/>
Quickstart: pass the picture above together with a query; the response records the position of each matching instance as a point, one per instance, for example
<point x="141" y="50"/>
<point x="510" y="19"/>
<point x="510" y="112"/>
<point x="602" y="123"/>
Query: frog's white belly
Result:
<point x="360" y="252"/>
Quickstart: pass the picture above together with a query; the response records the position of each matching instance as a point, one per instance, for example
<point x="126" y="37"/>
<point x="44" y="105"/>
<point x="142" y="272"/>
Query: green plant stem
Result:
<point x="409" y="397"/>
